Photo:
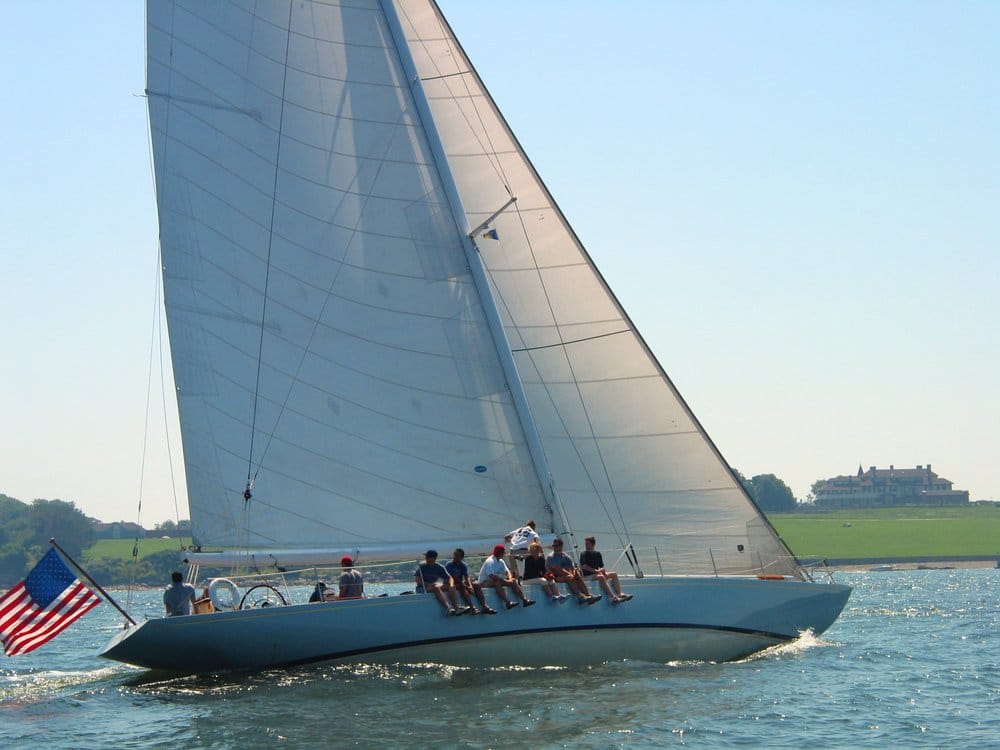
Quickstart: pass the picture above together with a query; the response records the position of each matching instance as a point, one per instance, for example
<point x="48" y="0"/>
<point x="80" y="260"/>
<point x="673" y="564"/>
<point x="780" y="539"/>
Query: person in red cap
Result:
<point x="497" y="575"/>
<point x="352" y="584"/>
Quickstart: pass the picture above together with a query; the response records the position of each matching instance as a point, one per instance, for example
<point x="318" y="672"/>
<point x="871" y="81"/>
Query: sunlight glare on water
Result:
<point x="914" y="661"/>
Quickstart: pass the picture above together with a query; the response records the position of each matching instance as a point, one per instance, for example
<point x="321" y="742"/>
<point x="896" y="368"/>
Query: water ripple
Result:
<point x="913" y="662"/>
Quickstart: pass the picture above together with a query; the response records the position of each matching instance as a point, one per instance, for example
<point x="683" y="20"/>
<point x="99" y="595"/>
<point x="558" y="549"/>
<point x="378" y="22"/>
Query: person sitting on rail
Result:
<point x="431" y="577"/>
<point x="592" y="564"/>
<point x="561" y="566"/>
<point x="534" y="569"/>
<point x="496" y="574"/>
<point x="466" y="587"/>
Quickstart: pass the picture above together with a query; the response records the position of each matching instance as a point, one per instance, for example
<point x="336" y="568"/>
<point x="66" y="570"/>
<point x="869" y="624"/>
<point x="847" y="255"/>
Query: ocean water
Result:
<point x="913" y="662"/>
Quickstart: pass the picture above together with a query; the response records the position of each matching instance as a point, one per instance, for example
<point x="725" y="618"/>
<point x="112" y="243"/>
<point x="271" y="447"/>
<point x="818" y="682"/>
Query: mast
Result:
<point x="476" y="266"/>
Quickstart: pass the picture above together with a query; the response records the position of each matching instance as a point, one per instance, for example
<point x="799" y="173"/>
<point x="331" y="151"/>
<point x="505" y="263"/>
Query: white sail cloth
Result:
<point x="328" y="340"/>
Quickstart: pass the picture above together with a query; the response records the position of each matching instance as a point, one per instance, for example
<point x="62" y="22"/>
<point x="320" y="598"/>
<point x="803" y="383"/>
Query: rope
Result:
<point x="267" y="272"/>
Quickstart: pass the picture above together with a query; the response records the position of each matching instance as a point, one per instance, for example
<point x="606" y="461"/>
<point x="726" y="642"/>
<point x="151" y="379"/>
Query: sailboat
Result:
<point x="386" y="337"/>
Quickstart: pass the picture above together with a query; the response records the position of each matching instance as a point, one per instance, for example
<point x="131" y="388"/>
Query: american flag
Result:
<point x="44" y="604"/>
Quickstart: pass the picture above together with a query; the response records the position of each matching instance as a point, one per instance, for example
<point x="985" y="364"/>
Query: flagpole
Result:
<point x="96" y="585"/>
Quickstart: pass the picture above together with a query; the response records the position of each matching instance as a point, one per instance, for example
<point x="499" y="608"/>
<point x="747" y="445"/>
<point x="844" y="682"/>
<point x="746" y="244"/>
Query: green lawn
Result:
<point x="893" y="532"/>
<point x="121" y="549"/>
<point x="875" y="533"/>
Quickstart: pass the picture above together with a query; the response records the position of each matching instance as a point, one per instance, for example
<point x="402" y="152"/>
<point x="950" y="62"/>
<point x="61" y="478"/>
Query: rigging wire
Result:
<point x="155" y="339"/>
<point x="329" y="293"/>
<point x="251" y="475"/>
<point x="329" y="290"/>
<point x="163" y="400"/>
<point x="145" y="437"/>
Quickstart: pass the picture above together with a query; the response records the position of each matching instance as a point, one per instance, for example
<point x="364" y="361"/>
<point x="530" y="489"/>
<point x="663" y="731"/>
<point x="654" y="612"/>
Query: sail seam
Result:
<point x="618" y="436"/>
<point x="395" y="417"/>
<point x="225" y="32"/>
<point x="236" y="209"/>
<point x="621" y="533"/>
<point x="445" y="75"/>
<point x="332" y="329"/>
<point x="571" y="341"/>
<point x="476" y="133"/>
<point x="415" y="489"/>
<point x="288" y="65"/>
<point x="304" y="178"/>
<point x="255" y="114"/>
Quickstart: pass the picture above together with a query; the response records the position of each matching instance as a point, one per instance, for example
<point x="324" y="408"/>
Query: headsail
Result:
<point x="629" y="460"/>
<point x="328" y="339"/>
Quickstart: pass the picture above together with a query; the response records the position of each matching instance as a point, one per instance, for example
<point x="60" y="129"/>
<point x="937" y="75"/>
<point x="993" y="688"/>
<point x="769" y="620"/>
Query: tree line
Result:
<point x="770" y="493"/>
<point x="25" y="530"/>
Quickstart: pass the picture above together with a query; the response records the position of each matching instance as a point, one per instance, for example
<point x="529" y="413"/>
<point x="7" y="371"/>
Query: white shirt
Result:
<point x="493" y="566"/>
<point x="522" y="537"/>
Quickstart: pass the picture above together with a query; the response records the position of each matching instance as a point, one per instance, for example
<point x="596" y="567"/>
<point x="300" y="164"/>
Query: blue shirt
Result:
<point x="178" y="598"/>
<point x="430" y="573"/>
<point x="562" y="560"/>
<point x="457" y="570"/>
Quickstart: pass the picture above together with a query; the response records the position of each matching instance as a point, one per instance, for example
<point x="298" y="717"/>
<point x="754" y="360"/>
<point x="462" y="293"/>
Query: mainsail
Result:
<point x="320" y="167"/>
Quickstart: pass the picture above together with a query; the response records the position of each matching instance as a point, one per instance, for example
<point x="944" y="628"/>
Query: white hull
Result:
<point x="672" y="618"/>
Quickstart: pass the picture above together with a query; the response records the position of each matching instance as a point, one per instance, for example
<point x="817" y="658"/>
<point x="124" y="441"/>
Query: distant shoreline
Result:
<point x="911" y="563"/>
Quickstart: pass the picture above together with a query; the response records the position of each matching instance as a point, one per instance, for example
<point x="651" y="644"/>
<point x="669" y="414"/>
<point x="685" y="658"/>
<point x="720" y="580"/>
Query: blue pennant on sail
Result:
<point x="491" y="235"/>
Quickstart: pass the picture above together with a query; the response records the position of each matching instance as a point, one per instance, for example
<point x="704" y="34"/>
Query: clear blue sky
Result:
<point x="797" y="203"/>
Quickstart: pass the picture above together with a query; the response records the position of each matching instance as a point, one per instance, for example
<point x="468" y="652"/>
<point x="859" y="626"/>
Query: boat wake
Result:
<point x="405" y="675"/>
<point x="806" y="641"/>
<point x="35" y="687"/>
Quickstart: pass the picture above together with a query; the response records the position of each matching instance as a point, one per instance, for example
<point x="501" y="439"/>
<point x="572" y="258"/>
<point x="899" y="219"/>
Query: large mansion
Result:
<point x="877" y="488"/>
